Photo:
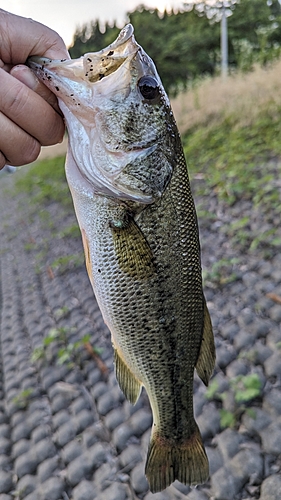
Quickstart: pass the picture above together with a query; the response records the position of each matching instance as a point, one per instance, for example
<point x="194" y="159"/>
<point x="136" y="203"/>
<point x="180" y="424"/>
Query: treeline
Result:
<point x="186" y="45"/>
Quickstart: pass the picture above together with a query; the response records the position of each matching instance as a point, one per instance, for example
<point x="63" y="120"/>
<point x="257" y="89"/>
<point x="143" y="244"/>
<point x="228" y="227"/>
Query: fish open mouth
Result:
<point x="92" y="67"/>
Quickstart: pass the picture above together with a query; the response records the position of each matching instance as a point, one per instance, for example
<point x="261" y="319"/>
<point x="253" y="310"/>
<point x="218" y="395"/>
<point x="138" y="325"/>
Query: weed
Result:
<point x="221" y="273"/>
<point x="38" y="353"/>
<point x="233" y="146"/>
<point x="69" y="353"/>
<point x="250" y="355"/>
<point x="228" y="154"/>
<point x="55" y="334"/>
<point x="71" y="231"/>
<point x="46" y="182"/>
<point x="23" y="398"/>
<point x="61" y="312"/>
<point x="212" y="390"/>
<point x="239" y="224"/>
<point x="240" y="95"/>
<point x="265" y="237"/>
<point x="46" y="218"/>
<point x="65" y="262"/>
<point x="244" y="388"/>
<point x="227" y="418"/>
<point x="29" y="246"/>
<point x="65" y="352"/>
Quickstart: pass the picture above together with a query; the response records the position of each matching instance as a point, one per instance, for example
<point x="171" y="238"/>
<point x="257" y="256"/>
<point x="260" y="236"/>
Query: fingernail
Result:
<point x="26" y="76"/>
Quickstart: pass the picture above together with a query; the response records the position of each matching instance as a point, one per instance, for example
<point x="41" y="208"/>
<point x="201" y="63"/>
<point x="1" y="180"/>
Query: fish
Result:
<point x="129" y="182"/>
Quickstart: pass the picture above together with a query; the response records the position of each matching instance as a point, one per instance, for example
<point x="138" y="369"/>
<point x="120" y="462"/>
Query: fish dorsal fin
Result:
<point x="129" y="385"/>
<point x="207" y="354"/>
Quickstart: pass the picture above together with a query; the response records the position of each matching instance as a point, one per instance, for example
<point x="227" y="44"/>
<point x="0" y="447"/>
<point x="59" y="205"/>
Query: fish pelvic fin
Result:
<point x="168" y="460"/>
<point x="129" y="384"/>
<point x="207" y="355"/>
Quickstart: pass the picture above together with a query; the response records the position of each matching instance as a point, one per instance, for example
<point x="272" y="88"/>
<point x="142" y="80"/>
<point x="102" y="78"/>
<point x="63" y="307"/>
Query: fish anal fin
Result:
<point x="168" y="460"/>
<point x="129" y="385"/>
<point x="207" y="355"/>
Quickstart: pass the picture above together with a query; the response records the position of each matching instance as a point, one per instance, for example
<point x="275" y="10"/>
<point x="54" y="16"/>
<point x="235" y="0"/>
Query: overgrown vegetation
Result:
<point x="231" y="132"/>
<point x="229" y="154"/>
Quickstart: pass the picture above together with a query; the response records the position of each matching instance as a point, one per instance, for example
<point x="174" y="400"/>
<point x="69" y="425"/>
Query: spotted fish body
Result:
<point x="128" y="178"/>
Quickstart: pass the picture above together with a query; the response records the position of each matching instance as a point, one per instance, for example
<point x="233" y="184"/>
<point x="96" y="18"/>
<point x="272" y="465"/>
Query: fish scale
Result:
<point x="129" y="182"/>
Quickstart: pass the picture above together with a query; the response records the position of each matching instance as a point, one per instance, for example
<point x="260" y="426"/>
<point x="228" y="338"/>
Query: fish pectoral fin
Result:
<point x="169" y="459"/>
<point x="207" y="354"/>
<point x="129" y="384"/>
<point x="133" y="252"/>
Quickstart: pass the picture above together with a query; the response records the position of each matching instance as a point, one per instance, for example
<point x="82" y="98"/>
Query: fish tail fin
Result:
<point x="168" y="460"/>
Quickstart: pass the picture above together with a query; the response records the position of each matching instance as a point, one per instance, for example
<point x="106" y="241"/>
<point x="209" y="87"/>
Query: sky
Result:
<point x="65" y="15"/>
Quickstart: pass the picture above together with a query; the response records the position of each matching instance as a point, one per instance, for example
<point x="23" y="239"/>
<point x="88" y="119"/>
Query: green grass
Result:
<point x="238" y="162"/>
<point x="221" y="273"/>
<point x="66" y="262"/>
<point x="45" y="182"/>
<point x="72" y="231"/>
<point x="231" y="156"/>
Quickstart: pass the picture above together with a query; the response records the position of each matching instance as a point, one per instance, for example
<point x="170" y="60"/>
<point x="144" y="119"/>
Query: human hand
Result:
<point x="29" y="113"/>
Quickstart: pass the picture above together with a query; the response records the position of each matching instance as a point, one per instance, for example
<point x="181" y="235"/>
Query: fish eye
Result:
<point x="148" y="87"/>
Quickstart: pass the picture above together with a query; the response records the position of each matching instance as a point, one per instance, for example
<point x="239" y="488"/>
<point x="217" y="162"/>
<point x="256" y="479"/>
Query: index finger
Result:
<point x="29" y="111"/>
<point x="21" y="37"/>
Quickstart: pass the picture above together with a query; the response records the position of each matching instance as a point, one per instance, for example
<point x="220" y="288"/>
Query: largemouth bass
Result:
<point x="129" y="182"/>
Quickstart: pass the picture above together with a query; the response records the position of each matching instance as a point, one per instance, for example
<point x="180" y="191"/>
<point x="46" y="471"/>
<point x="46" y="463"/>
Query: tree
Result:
<point x="181" y="44"/>
<point x="213" y="9"/>
<point x="186" y="45"/>
<point x="218" y="11"/>
<point x="90" y="38"/>
<point x="255" y="28"/>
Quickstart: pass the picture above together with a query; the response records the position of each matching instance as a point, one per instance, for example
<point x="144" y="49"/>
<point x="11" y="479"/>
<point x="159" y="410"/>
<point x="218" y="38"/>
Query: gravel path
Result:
<point x="66" y="431"/>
